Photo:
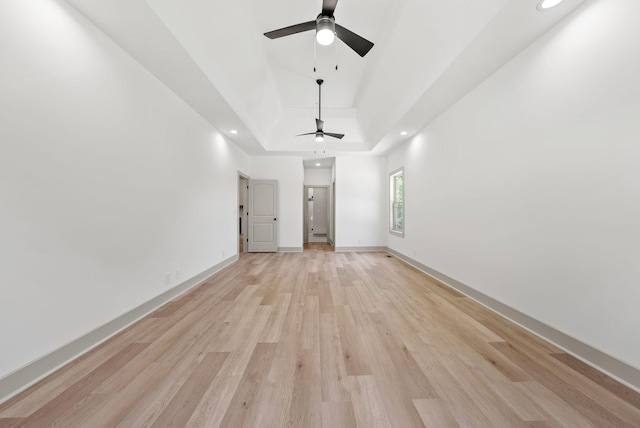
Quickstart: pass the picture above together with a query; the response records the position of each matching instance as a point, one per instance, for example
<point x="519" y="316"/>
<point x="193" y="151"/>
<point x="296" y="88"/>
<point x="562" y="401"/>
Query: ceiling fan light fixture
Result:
<point x="325" y="30"/>
<point x="319" y="137"/>
<point x="547" y="4"/>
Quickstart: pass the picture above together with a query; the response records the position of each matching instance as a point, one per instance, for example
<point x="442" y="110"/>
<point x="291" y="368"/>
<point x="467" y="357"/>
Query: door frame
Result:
<point x="245" y="220"/>
<point x="305" y="210"/>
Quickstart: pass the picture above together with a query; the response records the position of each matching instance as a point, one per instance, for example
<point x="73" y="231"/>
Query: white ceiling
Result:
<point x="318" y="163"/>
<point x="427" y="55"/>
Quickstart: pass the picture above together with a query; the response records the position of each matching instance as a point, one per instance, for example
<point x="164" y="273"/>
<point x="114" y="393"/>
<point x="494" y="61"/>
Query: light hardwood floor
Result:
<point x="324" y="339"/>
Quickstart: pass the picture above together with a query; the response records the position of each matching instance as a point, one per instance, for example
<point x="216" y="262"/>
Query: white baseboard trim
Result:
<point x="22" y="378"/>
<point x="289" y="249"/>
<point x="357" y="249"/>
<point x="619" y="370"/>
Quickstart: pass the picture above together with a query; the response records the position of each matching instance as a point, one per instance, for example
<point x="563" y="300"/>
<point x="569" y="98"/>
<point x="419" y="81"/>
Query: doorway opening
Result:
<point x="243" y="204"/>
<point x="317" y="211"/>
<point x="318" y="204"/>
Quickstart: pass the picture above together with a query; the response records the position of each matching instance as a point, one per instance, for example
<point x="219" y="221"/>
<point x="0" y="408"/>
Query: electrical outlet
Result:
<point x="167" y="278"/>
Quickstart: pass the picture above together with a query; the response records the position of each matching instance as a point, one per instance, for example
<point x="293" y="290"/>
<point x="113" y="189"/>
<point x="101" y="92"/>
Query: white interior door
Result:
<point x="263" y="216"/>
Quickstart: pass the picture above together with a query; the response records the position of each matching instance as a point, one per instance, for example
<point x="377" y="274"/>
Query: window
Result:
<point x="396" y="211"/>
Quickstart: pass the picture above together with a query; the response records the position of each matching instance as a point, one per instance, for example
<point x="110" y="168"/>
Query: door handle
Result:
<point x="275" y="219"/>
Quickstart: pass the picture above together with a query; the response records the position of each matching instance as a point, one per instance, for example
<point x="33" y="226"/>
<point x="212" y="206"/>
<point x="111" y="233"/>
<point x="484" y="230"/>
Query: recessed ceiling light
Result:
<point x="233" y="131"/>
<point x="403" y="133"/>
<point x="317" y="164"/>
<point x="547" y="4"/>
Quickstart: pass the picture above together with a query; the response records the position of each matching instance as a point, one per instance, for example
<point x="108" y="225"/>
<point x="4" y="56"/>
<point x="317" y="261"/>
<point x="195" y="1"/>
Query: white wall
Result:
<point x="107" y="182"/>
<point x="528" y="188"/>
<point x="360" y="206"/>
<point x="317" y="176"/>
<point x="289" y="172"/>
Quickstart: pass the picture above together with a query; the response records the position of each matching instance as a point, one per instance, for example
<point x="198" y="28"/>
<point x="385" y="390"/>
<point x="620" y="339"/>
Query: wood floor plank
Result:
<point x="324" y="339"/>
<point x="238" y="287"/>
<point x="182" y="405"/>
<point x="409" y="374"/>
<point x="368" y="407"/>
<point x="434" y="413"/>
<point x="306" y="395"/>
<point x="508" y="393"/>
<point x="269" y="287"/>
<point x="449" y="389"/>
<point x="576" y="398"/>
<point x="141" y="395"/>
<point x="325" y="298"/>
<point x="230" y="337"/>
<point x="295" y="311"/>
<point x="219" y="395"/>
<point x="512" y="333"/>
<point x="337" y="292"/>
<point x="181" y="343"/>
<point x="10" y="422"/>
<point x="558" y="411"/>
<point x="492" y="407"/>
<point x="620" y="390"/>
<point x="355" y="359"/>
<point x="338" y="415"/>
<point x="172" y="307"/>
<point x="335" y="386"/>
<point x="310" y="323"/>
<point x="275" y="398"/>
<point x="160" y="390"/>
<point x="273" y="330"/>
<point x="28" y="401"/>
<point x="241" y="411"/>
<point x="397" y="397"/>
<point x="359" y="297"/>
<point x="83" y="387"/>
<point x="81" y="412"/>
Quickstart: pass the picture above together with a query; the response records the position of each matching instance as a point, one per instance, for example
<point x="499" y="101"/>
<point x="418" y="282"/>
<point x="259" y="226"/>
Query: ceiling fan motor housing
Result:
<point x="325" y="29"/>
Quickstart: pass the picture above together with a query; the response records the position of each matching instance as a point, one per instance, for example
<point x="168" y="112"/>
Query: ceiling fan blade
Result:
<point x="328" y="6"/>
<point x="331" y="134"/>
<point x="355" y="42"/>
<point x="308" y="133"/>
<point x="293" y="29"/>
<point x="319" y="124"/>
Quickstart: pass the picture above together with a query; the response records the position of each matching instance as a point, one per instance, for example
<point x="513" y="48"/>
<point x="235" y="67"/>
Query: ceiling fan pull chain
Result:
<point x="336" y="52"/>
<point x="314" y="56"/>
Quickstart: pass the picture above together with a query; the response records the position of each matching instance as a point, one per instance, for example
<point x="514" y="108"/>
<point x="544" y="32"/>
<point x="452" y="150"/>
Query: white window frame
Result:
<point x="393" y="203"/>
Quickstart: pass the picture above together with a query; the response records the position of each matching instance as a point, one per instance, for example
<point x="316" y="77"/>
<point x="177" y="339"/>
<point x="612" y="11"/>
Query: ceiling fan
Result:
<point x="326" y="28"/>
<point x="319" y="133"/>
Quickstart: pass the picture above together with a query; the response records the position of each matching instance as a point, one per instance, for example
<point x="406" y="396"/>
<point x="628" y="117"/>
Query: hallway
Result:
<point x="318" y="246"/>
